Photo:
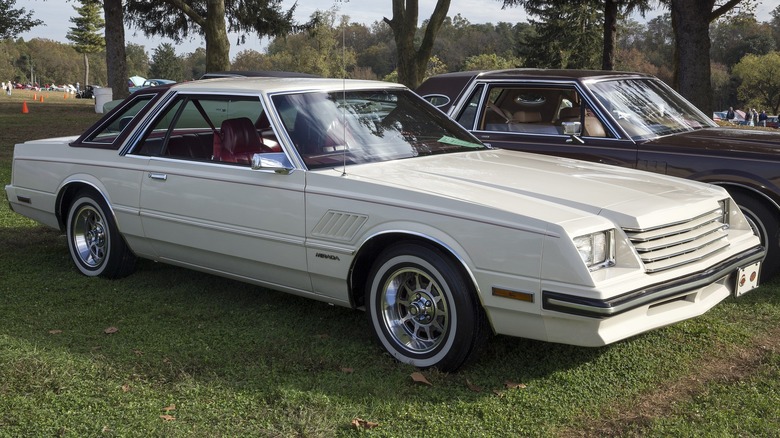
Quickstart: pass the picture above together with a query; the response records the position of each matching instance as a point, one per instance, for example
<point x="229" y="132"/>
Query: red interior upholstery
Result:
<point x="239" y="141"/>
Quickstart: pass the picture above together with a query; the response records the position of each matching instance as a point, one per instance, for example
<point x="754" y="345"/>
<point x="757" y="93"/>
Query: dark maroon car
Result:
<point x="625" y="119"/>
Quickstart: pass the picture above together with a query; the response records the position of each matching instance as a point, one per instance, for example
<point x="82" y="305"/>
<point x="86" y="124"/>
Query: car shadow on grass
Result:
<point x="173" y="325"/>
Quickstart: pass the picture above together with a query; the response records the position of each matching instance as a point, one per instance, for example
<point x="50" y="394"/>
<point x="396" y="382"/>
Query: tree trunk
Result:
<point x="610" y="34"/>
<point x="86" y="69"/>
<point x="116" y="56"/>
<point x="413" y="63"/>
<point x="217" y="43"/>
<point x="691" y="21"/>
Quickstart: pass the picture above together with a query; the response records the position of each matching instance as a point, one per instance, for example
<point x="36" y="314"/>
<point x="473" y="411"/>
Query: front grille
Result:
<point x="686" y="242"/>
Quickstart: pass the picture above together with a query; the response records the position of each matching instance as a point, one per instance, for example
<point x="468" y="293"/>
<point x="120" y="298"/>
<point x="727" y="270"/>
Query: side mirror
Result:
<point x="276" y="161"/>
<point x="573" y="130"/>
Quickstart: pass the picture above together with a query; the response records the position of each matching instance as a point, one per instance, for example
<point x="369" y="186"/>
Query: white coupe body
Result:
<point x="362" y="195"/>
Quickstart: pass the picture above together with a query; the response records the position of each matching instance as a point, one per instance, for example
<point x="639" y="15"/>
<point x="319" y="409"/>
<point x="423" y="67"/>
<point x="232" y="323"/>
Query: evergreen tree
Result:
<point x="85" y="35"/>
<point x="166" y="64"/>
<point x="213" y="19"/>
<point x="567" y="36"/>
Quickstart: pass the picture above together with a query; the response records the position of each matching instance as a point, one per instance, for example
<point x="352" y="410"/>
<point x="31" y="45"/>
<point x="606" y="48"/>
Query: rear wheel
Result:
<point x="94" y="242"/>
<point x="766" y="224"/>
<point x="423" y="309"/>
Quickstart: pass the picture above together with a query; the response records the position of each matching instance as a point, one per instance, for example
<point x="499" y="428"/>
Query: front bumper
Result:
<point x="651" y="295"/>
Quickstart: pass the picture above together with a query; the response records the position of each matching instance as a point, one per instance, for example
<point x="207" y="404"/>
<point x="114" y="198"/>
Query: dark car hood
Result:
<point x="725" y="140"/>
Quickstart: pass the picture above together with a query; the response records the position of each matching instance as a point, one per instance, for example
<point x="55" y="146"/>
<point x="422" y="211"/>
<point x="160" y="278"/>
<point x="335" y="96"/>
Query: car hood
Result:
<point x="550" y="188"/>
<point x="725" y="140"/>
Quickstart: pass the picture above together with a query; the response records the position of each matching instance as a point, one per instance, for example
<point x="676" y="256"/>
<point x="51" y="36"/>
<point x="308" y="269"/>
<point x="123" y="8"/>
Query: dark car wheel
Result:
<point x="766" y="224"/>
<point x="94" y="241"/>
<point x="423" y="309"/>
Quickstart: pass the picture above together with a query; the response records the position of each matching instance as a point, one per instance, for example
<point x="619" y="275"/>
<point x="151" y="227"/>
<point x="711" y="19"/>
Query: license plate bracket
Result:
<point x="747" y="279"/>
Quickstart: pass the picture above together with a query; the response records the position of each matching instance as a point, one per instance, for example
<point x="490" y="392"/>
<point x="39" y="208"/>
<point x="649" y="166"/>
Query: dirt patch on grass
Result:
<point x="728" y="366"/>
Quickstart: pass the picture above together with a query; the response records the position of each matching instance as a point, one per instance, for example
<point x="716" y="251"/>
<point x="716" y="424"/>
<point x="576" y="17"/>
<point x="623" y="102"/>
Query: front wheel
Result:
<point x="423" y="309"/>
<point x="94" y="241"/>
<point x="766" y="225"/>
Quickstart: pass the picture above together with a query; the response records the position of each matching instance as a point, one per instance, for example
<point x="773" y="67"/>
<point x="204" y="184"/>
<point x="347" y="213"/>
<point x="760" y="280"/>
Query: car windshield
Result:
<point x="329" y="129"/>
<point x="647" y="108"/>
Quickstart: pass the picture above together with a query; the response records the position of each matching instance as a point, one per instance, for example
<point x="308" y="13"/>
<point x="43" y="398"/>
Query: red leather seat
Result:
<point x="239" y="141"/>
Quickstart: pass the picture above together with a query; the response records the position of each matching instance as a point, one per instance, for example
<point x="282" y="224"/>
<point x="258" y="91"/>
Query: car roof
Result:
<point x="256" y="85"/>
<point x="541" y="73"/>
<point x="256" y="73"/>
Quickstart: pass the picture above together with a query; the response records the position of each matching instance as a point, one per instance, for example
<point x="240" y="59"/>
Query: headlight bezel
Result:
<point x="596" y="250"/>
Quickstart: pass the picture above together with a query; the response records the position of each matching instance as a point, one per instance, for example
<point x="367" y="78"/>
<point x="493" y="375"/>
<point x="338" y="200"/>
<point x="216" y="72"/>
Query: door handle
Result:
<point x="159" y="176"/>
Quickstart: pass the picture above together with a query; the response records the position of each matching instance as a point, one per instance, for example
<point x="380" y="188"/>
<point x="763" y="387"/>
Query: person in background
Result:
<point x="748" y="117"/>
<point x="754" y="116"/>
<point x="762" y="118"/>
<point x="730" y="115"/>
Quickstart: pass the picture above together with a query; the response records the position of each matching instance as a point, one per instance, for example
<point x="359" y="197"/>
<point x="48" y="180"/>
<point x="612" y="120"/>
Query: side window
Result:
<point x="199" y="128"/>
<point x="538" y="110"/>
<point x="468" y="114"/>
<point x="119" y="122"/>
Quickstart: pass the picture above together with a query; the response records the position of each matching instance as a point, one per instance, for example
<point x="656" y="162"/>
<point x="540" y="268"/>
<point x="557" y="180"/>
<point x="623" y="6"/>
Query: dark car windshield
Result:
<point x="648" y="108"/>
<point x="364" y="126"/>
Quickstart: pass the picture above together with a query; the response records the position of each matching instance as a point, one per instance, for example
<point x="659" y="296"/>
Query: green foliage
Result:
<point x="86" y="34"/>
<point x="14" y="21"/>
<point x="317" y="50"/>
<point x="137" y="60"/>
<point x="760" y="80"/>
<point x="737" y="35"/>
<point x="569" y="35"/>
<point x="489" y="62"/>
<point x="166" y="64"/>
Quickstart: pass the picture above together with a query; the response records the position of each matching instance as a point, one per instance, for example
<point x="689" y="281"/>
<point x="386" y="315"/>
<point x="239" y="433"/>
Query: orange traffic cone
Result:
<point x="35" y="96"/>
<point x="24" y="108"/>
<point x="66" y="95"/>
<point x="41" y="98"/>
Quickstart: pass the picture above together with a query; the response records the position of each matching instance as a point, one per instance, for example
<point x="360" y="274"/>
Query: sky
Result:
<point x="56" y="13"/>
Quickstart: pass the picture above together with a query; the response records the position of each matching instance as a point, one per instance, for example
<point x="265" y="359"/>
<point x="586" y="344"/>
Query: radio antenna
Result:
<point x="343" y="89"/>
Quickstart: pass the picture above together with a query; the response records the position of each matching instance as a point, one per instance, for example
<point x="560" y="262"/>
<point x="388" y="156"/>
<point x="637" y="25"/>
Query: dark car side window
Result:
<point x="537" y="109"/>
<point x="468" y="114"/>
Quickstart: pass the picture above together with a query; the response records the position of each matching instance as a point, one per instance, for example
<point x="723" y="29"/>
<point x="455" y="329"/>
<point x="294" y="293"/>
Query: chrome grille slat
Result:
<point x="663" y="248"/>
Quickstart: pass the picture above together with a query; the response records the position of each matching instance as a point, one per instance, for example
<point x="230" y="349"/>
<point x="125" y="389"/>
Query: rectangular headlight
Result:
<point x="596" y="249"/>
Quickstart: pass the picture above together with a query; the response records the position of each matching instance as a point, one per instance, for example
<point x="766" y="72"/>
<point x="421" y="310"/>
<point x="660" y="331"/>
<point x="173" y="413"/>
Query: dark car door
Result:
<point x="530" y="116"/>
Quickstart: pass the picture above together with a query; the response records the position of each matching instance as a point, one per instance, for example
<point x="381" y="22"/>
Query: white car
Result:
<point x="361" y="194"/>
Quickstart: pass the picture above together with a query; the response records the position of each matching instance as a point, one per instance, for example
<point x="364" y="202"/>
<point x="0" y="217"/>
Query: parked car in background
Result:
<point x="88" y="92"/>
<point x="151" y="83"/>
<point x="361" y="194"/>
<point x="772" y="122"/>
<point x="624" y="119"/>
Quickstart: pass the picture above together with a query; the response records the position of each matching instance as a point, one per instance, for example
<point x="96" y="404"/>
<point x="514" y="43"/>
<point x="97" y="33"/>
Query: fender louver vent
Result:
<point x="339" y="225"/>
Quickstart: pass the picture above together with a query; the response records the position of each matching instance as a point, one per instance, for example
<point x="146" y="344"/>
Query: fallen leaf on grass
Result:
<point x="168" y="417"/>
<point x="138" y="352"/>
<point x="110" y="330"/>
<point x="512" y="385"/>
<point x="473" y="387"/>
<point x="126" y="387"/>
<point x="359" y="423"/>
<point x="419" y="378"/>
<point x="55" y="332"/>
<point x="170" y="408"/>
<point x="348" y="370"/>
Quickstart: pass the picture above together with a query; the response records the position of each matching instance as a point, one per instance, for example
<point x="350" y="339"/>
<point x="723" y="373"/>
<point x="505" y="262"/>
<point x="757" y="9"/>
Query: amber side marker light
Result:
<point x="506" y="293"/>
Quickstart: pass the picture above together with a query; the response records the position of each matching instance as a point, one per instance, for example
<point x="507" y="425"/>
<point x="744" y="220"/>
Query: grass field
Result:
<point x="170" y="352"/>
